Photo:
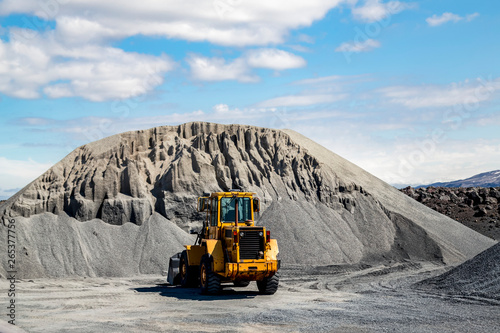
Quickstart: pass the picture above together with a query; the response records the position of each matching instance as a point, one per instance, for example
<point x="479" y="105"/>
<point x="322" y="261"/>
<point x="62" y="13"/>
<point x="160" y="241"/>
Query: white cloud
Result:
<point x="397" y="161"/>
<point x="75" y="58"/>
<point x="217" y="69"/>
<point x="472" y="16"/>
<point x="274" y="59"/>
<point x="94" y="72"/>
<point x="317" y="91"/>
<point x="375" y="10"/>
<point x="225" y="22"/>
<point x="436" y="20"/>
<point x="305" y="39"/>
<point x="422" y="162"/>
<point x="302" y="100"/>
<point x="365" y="46"/>
<point x="240" y="69"/>
<point x="334" y="80"/>
<point x="320" y="80"/>
<point x="465" y="93"/>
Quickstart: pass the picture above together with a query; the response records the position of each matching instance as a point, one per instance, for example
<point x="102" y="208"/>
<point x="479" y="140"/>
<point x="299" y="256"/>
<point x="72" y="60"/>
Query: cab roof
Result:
<point x="230" y="194"/>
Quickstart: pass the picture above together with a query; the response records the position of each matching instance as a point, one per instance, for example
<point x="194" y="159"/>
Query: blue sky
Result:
<point x="407" y="90"/>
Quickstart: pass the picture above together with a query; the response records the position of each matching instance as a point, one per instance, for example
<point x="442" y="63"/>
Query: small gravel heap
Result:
<point x="479" y="276"/>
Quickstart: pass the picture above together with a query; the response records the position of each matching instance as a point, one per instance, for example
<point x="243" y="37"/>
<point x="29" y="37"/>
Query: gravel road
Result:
<point x="344" y="298"/>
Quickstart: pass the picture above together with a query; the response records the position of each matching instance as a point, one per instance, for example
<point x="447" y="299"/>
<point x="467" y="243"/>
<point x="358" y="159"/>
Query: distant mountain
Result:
<point x="486" y="179"/>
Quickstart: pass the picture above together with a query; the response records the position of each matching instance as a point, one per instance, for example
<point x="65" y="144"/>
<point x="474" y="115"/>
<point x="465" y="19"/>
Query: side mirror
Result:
<point x="203" y="204"/>
<point x="256" y="205"/>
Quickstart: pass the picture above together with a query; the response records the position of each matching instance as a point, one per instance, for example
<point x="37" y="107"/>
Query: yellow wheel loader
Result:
<point x="229" y="247"/>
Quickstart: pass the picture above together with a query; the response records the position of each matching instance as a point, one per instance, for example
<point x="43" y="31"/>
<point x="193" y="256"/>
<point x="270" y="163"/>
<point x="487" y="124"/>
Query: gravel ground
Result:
<point x="359" y="298"/>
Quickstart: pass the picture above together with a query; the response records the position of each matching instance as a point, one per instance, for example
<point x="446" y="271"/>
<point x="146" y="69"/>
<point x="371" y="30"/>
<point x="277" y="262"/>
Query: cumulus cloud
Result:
<point x="43" y="64"/>
<point x="436" y="20"/>
<point x="376" y="10"/>
<point x="356" y="47"/>
<point x="223" y="22"/>
<point x="240" y="69"/>
<point x="74" y="57"/>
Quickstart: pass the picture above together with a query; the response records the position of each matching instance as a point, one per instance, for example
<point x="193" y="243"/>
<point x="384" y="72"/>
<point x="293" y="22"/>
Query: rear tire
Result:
<point x="269" y="285"/>
<point x="210" y="281"/>
<point x="187" y="274"/>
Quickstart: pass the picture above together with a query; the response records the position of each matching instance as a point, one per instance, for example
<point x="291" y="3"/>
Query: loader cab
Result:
<point x="227" y="209"/>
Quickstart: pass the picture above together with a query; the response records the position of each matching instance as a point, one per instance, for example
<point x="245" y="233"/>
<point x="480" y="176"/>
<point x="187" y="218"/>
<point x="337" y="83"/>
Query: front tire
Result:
<point x="187" y="275"/>
<point x="269" y="285"/>
<point x="210" y="281"/>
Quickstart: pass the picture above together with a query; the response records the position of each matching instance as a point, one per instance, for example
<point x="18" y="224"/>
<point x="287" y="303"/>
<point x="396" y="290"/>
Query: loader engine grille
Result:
<point x="251" y="242"/>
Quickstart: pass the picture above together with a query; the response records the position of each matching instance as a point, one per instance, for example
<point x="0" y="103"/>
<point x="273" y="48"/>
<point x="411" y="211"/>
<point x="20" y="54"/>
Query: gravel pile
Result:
<point x="49" y="245"/>
<point x="479" y="276"/>
<point x="124" y="204"/>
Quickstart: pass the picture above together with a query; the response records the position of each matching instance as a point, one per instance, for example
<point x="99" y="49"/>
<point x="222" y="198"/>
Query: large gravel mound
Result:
<point x="51" y="245"/>
<point x="479" y="276"/>
<point x="321" y="208"/>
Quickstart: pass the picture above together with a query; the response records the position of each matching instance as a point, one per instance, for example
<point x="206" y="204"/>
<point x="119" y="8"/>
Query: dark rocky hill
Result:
<point x="475" y="207"/>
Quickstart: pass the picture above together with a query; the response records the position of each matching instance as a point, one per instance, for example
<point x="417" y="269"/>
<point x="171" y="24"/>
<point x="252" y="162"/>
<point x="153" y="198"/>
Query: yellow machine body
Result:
<point x="240" y="250"/>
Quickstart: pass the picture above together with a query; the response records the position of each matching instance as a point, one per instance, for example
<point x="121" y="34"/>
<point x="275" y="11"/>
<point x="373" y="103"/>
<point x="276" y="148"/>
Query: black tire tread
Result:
<point x="268" y="286"/>
<point x="191" y="272"/>
<point x="213" y="279"/>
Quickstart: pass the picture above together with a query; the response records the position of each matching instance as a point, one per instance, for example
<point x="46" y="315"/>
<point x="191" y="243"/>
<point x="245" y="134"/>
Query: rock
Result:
<point x="494" y="193"/>
<point x="453" y="197"/>
<point x="481" y="212"/>
<point x="475" y="197"/>
<point x="490" y="201"/>
<point x="444" y="198"/>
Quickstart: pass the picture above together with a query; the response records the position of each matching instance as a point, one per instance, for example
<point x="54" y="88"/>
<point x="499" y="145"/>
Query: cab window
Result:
<point x="228" y="212"/>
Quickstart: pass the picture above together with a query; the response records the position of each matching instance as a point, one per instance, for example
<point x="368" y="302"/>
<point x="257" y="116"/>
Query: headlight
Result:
<point x="242" y="234"/>
<point x="261" y="234"/>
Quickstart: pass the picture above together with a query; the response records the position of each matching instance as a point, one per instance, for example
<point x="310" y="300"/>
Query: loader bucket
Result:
<point x="173" y="269"/>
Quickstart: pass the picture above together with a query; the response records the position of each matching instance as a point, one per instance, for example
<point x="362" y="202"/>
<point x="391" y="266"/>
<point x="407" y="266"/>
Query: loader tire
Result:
<point x="187" y="274"/>
<point x="269" y="286"/>
<point x="210" y="281"/>
<point x="241" y="283"/>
